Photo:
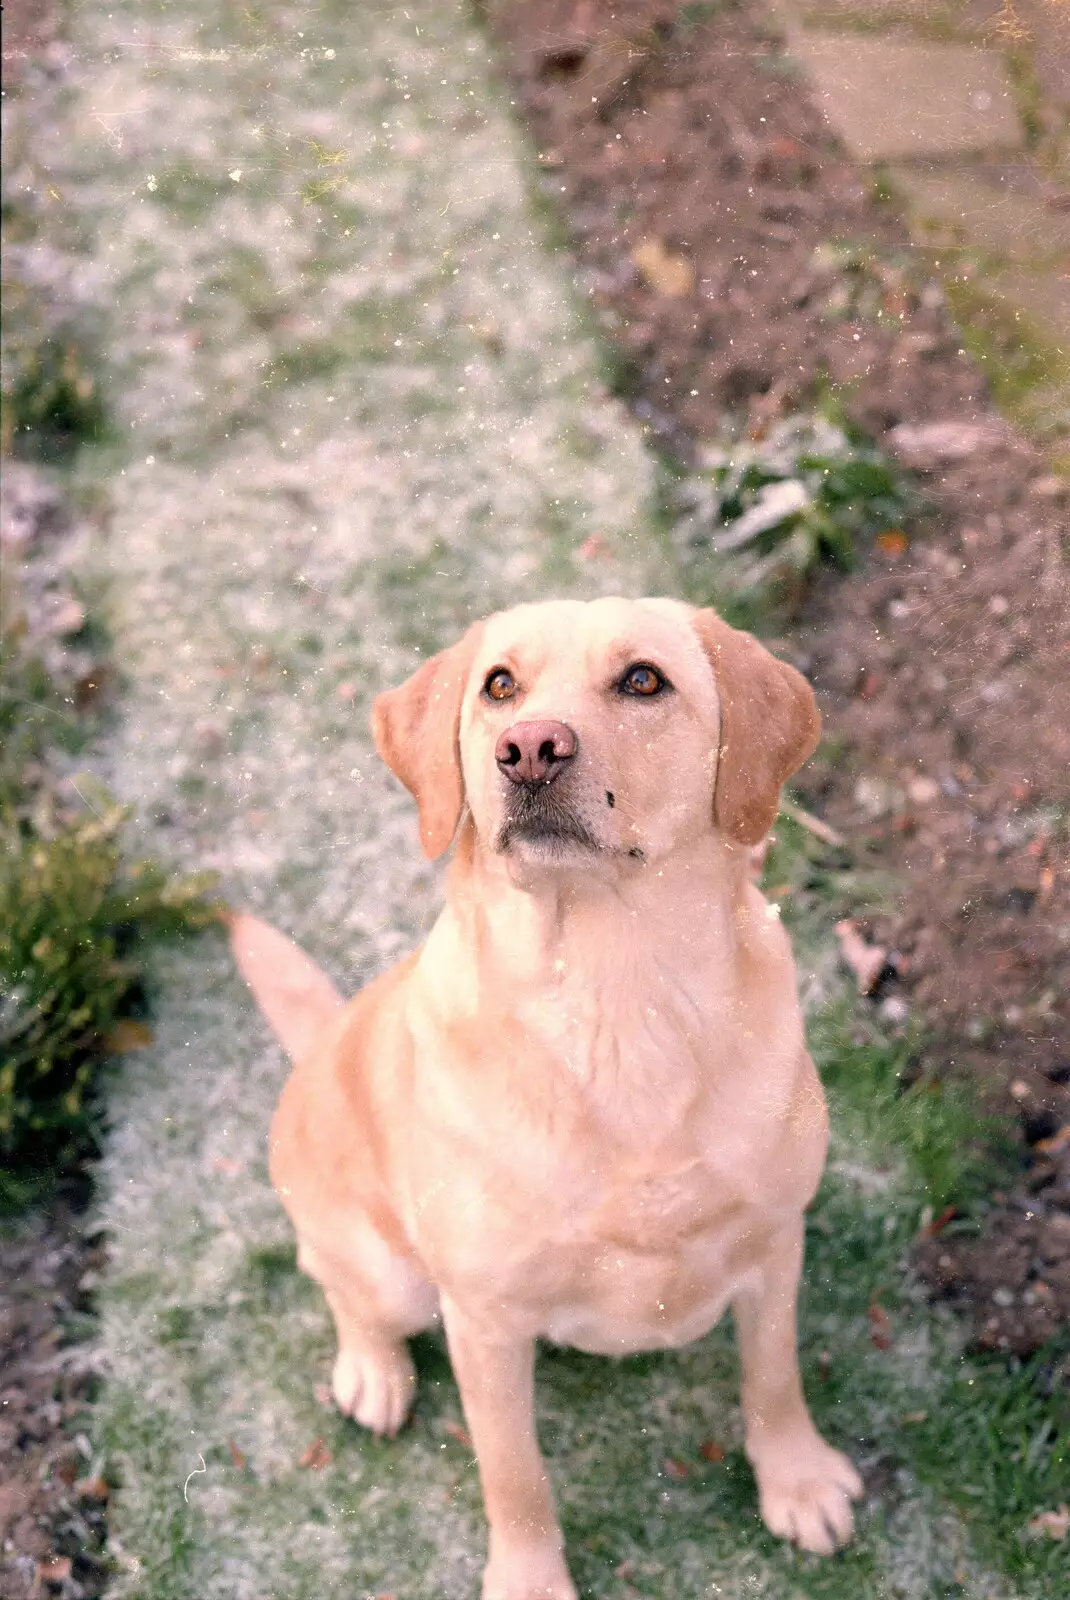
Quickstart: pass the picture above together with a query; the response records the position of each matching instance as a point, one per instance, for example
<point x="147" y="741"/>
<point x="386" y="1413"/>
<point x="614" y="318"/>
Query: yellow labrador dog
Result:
<point x="583" y="1111"/>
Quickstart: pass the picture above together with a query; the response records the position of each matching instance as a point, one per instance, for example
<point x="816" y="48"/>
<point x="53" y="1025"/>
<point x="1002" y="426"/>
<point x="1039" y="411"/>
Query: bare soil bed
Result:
<point x="52" y="1502"/>
<point x="777" y="274"/>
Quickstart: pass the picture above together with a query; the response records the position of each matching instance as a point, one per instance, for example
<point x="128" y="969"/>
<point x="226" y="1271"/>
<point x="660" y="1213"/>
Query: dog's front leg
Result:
<point x="805" y="1487"/>
<point x="496" y="1375"/>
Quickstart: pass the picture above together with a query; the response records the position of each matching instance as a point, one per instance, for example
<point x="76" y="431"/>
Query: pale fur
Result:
<point x="584" y="1110"/>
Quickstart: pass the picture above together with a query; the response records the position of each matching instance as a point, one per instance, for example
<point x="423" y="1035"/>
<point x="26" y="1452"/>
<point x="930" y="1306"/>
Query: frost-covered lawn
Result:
<point x="357" y="408"/>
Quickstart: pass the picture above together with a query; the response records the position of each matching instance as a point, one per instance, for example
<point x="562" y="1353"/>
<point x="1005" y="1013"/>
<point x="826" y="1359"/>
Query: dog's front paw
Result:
<point x="564" y="1589"/>
<point x="805" y="1489"/>
<point x="374" y="1386"/>
<point x="530" y="1574"/>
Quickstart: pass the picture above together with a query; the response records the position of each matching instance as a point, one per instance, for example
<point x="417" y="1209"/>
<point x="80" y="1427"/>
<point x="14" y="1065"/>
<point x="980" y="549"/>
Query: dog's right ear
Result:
<point x="770" y="725"/>
<point x="417" y="729"/>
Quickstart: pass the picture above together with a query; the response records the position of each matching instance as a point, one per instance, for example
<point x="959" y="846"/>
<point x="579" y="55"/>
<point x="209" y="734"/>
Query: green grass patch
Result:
<point x="51" y="397"/>
<point x="1005" y="1427"/>
<point x="987" y="1434"/>
<point x="71" y="912"/>
<point x="695" y="13"/>
<point x="52" y="386"/>
<point x="1028" y="375"/>
<point x="933" y="1124"/>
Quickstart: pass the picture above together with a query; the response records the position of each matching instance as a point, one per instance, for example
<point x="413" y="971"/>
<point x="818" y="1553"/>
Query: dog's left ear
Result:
<point x="770" y="725"/>
<point x="416" y="730"/>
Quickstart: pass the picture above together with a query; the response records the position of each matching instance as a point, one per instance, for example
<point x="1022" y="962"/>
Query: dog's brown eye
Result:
<point x="643" y="680"/>
<point x="500" y="685"/>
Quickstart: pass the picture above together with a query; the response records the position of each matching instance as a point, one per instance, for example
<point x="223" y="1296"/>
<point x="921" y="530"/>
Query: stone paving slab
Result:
<point x="1040" y="26"/>
<point x="947" y="117"/>
<point x="1045" y="299"/>
<point x="889" y="99"/>
<point x="1047" y="25"/>
<point x="983" y="210"/>
<point x="972" y="19"/>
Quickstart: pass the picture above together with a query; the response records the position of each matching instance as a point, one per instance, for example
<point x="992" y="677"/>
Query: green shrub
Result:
<point x="775" y="509"/>
<point x="71" y="911"/>
<point x="28" y="698"/>
<point x="51" y="397"/>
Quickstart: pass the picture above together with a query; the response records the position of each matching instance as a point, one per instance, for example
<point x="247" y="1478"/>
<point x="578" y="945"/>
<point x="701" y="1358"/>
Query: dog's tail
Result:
<point x="298" y="1000"/>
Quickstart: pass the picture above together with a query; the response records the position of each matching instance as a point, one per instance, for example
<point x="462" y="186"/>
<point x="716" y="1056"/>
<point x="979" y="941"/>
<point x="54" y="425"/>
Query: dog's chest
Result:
<point x="622" y="1181"/>
<point x="654" y="1211"/>
<point x="654" y="1264"/>
<point x="631" y="1256"/>
<point x="633" y="1057"/>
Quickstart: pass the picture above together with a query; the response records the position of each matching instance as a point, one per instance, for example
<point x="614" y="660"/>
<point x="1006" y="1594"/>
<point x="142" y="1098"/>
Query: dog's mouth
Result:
<point x="537" y="816"/>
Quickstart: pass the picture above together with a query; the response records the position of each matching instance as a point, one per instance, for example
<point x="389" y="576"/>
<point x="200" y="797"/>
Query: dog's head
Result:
<point x="585" y="734"/>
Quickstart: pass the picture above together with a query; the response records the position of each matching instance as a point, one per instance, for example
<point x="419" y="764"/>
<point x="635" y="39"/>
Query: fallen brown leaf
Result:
<point x="1056" y="1144"/>
<point x="1053" y="1524"/>
<point x="880" y="1327"/>
<point x="58" y="1570"/>
<point x="461" y="1435"/>
<point x="710" y="1450"/>
<point x="316" y="1456"/>
<point x="824" y="1366"/>
<point x="866" y="961"/>
<point x="666" y="274"/>
<point x="938" y="1224"/>
<point x="893" y="543"/>
<point x="127" y="1035"/>
<point x="88" y="689"/>
<point x="236" y="1455"/>
<point x="870" y="683"/>
<point x="92" y="1488"/>
<point x="675" y="1469"/>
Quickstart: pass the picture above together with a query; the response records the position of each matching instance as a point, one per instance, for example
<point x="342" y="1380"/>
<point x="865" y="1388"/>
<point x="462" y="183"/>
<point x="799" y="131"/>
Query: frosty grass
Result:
<point x="359" y="408"/>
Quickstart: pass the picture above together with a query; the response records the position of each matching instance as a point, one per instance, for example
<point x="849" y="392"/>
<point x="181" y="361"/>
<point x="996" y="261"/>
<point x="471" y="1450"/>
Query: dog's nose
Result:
<point x="535" y="752"/>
